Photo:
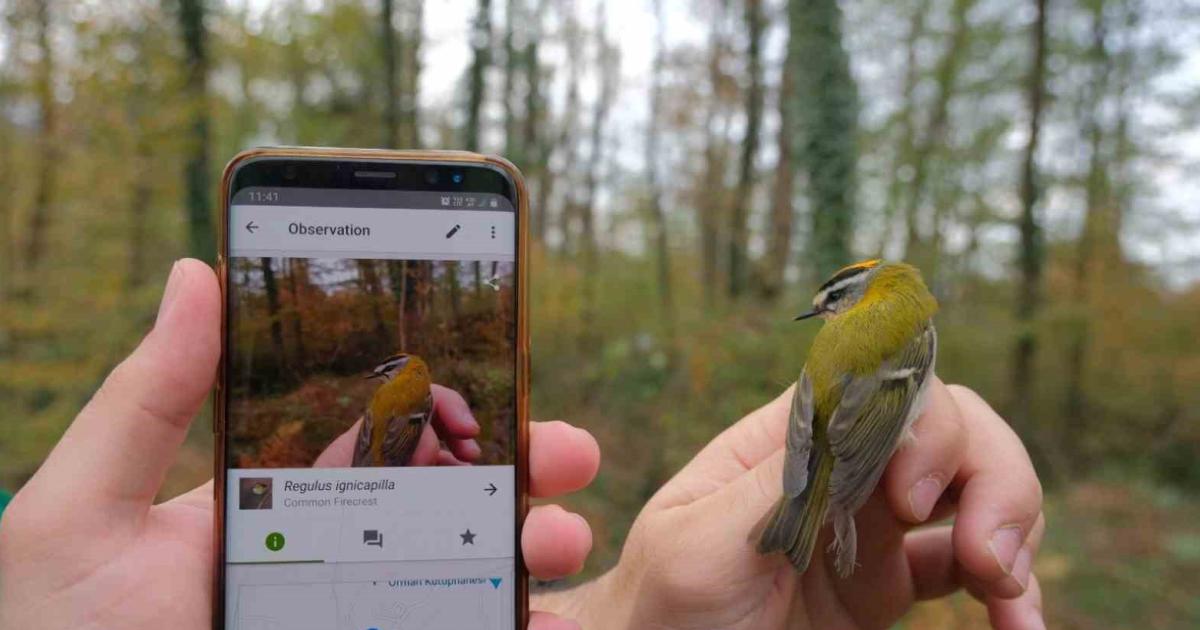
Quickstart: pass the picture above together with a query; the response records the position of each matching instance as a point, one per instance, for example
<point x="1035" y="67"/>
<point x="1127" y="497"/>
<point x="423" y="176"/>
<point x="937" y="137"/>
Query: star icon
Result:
<point x="468" y="537"/>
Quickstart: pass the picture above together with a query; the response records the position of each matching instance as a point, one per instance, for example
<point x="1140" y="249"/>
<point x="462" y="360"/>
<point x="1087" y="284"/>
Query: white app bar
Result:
<point x="326" y="515"/>
<point x="429" y="234"/>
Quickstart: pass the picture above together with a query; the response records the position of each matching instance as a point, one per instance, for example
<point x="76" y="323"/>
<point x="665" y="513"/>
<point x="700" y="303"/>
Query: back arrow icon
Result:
<point x="250" y="227"/>
<point x="490" y="489"/>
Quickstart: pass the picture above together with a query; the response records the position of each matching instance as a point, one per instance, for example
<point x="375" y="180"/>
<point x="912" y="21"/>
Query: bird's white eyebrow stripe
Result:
<point x="841" y="284"/>
<point x="896" y="375"/>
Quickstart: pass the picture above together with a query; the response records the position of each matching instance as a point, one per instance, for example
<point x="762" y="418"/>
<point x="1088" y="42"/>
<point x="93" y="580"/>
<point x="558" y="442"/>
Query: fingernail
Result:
<point x="582" y="521"/>
<point x="1022" y="566"/>
<point x="171" y="291"/>
<point x="924" y="495"/>
<point x="1005" y="544"/>
<point x="473" y="449"/>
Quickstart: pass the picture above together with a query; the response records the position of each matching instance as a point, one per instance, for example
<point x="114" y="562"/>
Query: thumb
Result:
<point x="111" y="461"/>
<point x="741" y="448"/>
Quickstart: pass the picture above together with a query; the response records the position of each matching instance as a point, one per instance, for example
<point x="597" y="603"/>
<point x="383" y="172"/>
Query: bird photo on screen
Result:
<point x="397" y="414"/>
<point x="857" y="397"/>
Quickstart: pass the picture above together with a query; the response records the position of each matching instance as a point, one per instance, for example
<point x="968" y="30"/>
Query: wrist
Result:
<point x="595" y="605"/>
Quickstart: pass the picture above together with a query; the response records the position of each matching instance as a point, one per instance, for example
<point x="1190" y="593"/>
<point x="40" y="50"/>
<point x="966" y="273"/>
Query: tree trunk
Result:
<point x="743" y="195"/>
<point x="1030" y="257"/>
<point x="1098" y="251"/>
<point x="391" y="106"/>
<point x="536" y="153"/>
<point x="657" y="217"/>
<point x="902" y="160"/>
<point x="272" y="289"/>
<point x="412" y="14"/>
<point x="513" y="148"/>
<point x="608" y="66"/>
<point x="398" y="277"/>
<point x="779" y="236"/>
<point x="371" y="286"/>
<point x="565" y="139"/>
<point x="481" y="44"/>
<point x="827" y="113"/>
<point x="47" y="143"/>
<point x="298" y="281"/>
<point x="917" y="249"/>
<point x="708" y="207"/>
<point x="201" y="236"/>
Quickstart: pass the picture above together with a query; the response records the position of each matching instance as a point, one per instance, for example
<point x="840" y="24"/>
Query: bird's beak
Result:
<point x="371" y="375"/>
<point x="812" y="313"/>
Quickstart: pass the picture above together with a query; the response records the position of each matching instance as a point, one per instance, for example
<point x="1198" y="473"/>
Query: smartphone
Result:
<point x="371" y="414"/>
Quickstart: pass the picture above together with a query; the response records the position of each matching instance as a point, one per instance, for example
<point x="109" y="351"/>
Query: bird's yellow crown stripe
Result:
<point x="862" y="264"/>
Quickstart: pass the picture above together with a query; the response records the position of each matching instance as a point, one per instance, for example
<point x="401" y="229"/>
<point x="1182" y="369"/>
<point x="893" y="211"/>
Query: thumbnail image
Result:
<point x="254" y="493"/>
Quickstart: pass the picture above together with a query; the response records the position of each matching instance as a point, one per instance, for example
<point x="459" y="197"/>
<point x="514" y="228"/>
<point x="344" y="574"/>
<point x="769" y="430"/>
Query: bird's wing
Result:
<point x="403" y="433"/>
<point x="799" y="438"/>
<point x="873" y="413"/>
<point x="362" y="447"/>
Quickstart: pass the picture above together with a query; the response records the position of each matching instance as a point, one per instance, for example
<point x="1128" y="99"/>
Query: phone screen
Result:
<point x="370" y="397"/>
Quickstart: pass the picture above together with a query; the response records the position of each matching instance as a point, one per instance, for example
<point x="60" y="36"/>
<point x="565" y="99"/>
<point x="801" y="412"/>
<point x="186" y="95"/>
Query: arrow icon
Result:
<point x="494" y="282"/>
<point x="250" y="227"/>
<point x="490" y="489"/>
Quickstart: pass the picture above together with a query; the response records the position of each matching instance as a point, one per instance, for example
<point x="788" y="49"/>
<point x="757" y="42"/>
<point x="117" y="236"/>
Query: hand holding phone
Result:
<point x="85" y="532"/>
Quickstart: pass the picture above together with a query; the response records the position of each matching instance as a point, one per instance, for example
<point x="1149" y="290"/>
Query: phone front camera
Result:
<point x="457" y="178"/>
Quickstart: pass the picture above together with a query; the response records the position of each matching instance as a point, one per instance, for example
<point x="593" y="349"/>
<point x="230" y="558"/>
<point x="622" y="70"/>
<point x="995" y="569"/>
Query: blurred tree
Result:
<point x="783" y="190"/>
<point x="713" y="186"/>
<point x="827" y="117"/>
<point x="1031" y="254"/>
<point x="8" y="246"/>
<point x="902" y="168"/>
<point x="560" y="153"/>
<point x="47" y="142"/>
<point x="391" y="96"/>
<point x="412" y="16"/>
<point x="202" y="242"/>
<point x="514" y="12"/>
<point x="656" y="217"/>
<point x="533" y="138"/>
<point x="743" y="196"/>
<point x="918" y="249"/>
<point x="608" y="67"/>
<point x="481" y="59"/>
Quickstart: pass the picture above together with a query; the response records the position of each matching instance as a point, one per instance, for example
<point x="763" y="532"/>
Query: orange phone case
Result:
<point x="522" y="454"/>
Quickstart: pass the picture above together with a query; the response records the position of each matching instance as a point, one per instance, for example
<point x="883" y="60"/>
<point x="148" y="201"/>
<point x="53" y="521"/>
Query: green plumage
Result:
<point x="859" y="391"/>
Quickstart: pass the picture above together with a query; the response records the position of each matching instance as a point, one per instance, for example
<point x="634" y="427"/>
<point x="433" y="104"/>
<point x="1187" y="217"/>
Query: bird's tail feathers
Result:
<point x="845" y="542"/>
<point x="795" y="523"/>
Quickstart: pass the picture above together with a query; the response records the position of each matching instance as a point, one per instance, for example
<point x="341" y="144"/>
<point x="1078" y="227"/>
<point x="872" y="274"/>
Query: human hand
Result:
<point x="452" y="424"/>
<point x="82" y="546"/>
<point x="690" y="561"/>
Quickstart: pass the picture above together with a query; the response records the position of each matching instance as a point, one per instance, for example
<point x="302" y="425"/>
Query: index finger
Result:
<point x="999" y="502"/>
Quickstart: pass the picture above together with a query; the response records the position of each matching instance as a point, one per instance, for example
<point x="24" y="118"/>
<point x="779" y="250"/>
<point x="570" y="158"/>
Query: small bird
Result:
<point x="857" y="396"/>
<point x="398" y="412"/>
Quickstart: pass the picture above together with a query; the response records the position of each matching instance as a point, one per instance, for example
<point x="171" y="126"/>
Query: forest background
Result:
<point x="695" y="168"/>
